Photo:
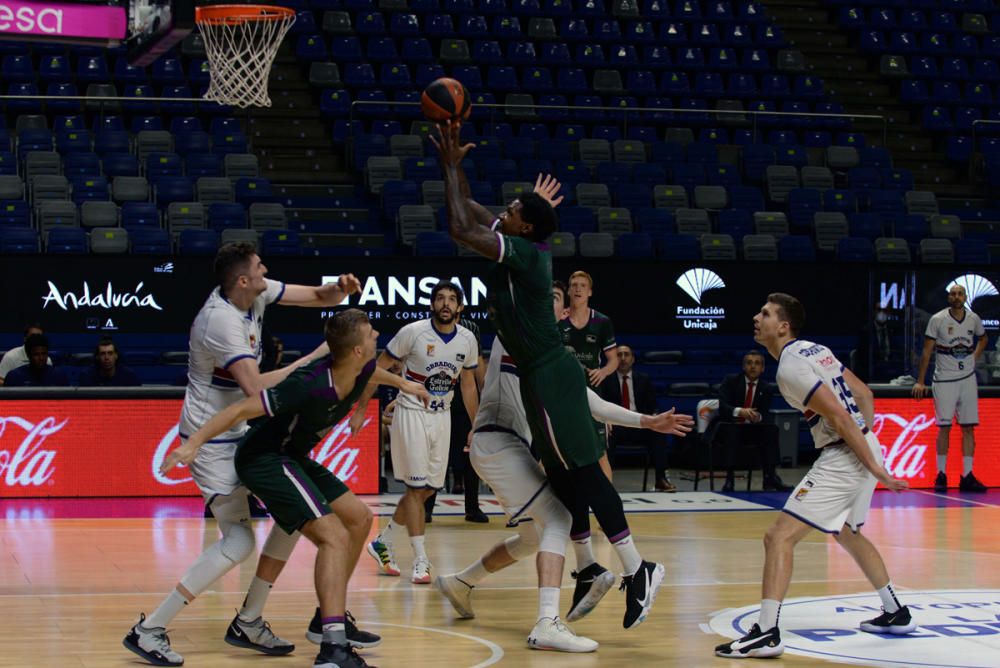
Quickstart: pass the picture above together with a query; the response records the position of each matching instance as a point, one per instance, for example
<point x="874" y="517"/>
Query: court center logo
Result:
<point x="955" y="628"/>
<point x="695" y="283"/>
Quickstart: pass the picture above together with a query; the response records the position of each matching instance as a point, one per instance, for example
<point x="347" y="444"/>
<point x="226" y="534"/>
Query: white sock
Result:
<point x="169" y="608"/>
<point x="942" y="461"/>
<point x="966" y="465"/>
<point x="334" y="630"/>
<point x="889" y="601"/>
<point x="628" y="554"/>
<point x="584" y="551"/>
<point x="385" y="536"/>
<point x="417" y="542"/>
<point x="474" y="574"/>
<point x="548" y="602"/>
<point x="769" y="611"/>
<point x="253" y="605"/>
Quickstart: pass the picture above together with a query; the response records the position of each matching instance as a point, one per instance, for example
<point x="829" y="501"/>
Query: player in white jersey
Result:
<point x="836" y="493"/>
<point x="957" y="338"/>
<point x="439" y="353"/>
<point x="225" y="351"/>
<point x="501" y="455"/>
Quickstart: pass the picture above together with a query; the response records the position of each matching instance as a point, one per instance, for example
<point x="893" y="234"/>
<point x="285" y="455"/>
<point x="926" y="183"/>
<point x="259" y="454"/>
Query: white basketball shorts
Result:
<point x="503" y="460"/>
<point x="959" y="397"/>
<point x="836" y="491"/>
<point x="419" y="441"/>
<point x="214" y="470"/>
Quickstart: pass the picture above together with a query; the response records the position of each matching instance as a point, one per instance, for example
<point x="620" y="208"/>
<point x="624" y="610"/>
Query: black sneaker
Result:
<point x="477" y="516"/>
<point x="592" y="583"/>
<point x="941" y="483"/>
<point x="257" y="635"/>
<point x="640" y="592"/>
<point x="756" y="645"/>
<point x="355" y="636"/>
<point x="969" y="483"/>
<point x="897" y="623"/>
<point x="338" y="656"/>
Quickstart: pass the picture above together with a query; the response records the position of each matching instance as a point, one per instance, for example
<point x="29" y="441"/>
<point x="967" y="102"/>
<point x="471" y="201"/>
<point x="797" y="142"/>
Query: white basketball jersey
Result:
<point x="955" y="343"/>
<point x="802" y="368"/>
<point x="500" y="403"/>
<point x="221" y="335"/>
<point x="434" y="360"/>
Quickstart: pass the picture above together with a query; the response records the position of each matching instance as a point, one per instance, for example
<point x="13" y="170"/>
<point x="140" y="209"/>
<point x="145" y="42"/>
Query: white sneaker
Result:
<point x="421" y="572"/>
<point x="257" y="635"/>
<point x="458" y="593"/>
<point x="550" y="633"/>
<point x="153" y="645"/>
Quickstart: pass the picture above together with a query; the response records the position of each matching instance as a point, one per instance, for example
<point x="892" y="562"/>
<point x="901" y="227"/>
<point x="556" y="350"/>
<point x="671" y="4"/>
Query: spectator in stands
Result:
<point x="106" y="371"/>
<point x="745" y="421"/>
<point x="16" y="357"/>
<point x="634" y="390"/>
<point x="38" y="372"/>
<point x="274" y="350"/>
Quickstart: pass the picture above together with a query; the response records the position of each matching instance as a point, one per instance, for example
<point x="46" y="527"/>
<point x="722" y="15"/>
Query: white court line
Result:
<point x="957" y="498"/>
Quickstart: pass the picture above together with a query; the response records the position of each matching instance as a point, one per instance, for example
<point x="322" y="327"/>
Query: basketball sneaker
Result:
<point x="640" y="591"/>
<point x="153" y="645"/>
<point x="550" y="633"/>
<point x="338" y="656"/>
<point x="421" y="572"/>
<point x="941" y="483"/>
<point x="382" y="554"/>
<point x="756" y="644"/>
<point x="458" y="593"/>
<point x="355" y="636"/>
<point x="257" y="635"/>
<point x="969" y="483"/>
<point x="897" y="623"/>
<point x="592" y="583"/>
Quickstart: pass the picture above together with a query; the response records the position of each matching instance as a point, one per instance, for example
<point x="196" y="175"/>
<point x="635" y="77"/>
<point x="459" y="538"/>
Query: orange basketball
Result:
<point x="445" y="99"/>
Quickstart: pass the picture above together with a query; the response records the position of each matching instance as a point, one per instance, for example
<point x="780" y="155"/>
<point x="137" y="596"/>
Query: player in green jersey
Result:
<point x="553" y="384"/>
<point x="301" y="495"/>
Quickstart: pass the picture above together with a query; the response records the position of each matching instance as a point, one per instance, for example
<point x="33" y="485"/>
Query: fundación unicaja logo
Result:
<point x="695" y="283"/>
<point x="976" y="286"/>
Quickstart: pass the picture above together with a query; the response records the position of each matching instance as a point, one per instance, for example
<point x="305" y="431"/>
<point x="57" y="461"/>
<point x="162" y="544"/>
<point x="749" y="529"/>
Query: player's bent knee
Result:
<point x="279" y="545"/>
<point x="524" y="544"/>
<point x="237" y="542"/>
<point x="326" y="530"/>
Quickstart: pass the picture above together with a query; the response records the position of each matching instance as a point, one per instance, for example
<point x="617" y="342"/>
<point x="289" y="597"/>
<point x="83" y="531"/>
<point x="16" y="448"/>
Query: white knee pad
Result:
<point x="279" y="545"/>
<point x="525" y="543"/>
<point x="233" y="515"/>
<point x="554" y="523"/>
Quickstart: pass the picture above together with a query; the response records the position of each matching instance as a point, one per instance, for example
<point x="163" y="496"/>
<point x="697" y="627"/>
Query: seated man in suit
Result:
<point x="634" y="390"/>
<point x="744" y="420"/>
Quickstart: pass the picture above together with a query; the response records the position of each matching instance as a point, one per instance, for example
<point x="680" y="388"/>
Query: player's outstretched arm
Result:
<point x="383" y="377"/>
<point x="247" y="374"/>
<point x="463" y="220"/>
<point x="611" y="413"/>
<point x="357" y="421"/>
<point x="223" y="421"/>
<point x="826" y="404"/>
<point x="330" y="294"/>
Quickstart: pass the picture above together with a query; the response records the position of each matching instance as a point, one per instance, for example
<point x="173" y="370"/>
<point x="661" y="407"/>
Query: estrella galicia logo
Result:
<point x="955" y="628"/>
<point x="695" y="283"/>
<point x="976" y="286"/>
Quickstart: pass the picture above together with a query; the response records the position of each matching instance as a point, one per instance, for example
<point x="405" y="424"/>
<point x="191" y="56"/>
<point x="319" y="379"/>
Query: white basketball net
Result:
<point x="240" y="53"/>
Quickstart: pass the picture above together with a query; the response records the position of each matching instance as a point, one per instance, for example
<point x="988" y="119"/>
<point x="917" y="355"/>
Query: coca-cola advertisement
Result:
<point x="906" y="430"/>
<point x="96" y="447"/>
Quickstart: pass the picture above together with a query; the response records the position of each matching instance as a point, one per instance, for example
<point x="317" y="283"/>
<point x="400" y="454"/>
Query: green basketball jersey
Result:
<point x="520" y="301"/>
<point x="301" y="410"/>
<point x="588" y="342"/>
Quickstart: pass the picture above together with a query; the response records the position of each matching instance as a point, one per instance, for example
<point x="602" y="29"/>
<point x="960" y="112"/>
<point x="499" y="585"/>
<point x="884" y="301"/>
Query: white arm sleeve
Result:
<point x="605" y="411"/>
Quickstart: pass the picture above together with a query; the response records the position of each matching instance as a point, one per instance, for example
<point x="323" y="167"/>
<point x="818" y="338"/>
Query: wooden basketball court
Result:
<point x="72" y="583"/>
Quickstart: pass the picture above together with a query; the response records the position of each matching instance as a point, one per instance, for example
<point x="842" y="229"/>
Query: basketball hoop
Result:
<point x="241" y="42"/>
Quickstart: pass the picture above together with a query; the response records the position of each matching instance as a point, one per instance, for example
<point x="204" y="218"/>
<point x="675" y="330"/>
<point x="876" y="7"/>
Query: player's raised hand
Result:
<point x="669" y="422"/>
<point x="449" y="145"/>
<point x="548" y="187"/>
<point x="349" y="284"/>
<point x="417" y="390"/>
<point x="184" y="454"/>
